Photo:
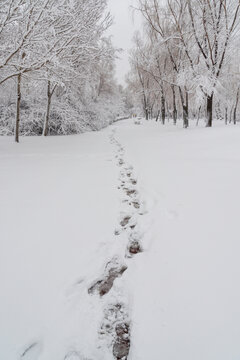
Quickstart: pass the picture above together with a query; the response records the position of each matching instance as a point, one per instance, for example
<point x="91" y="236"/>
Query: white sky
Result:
<point x="125" y="24"/>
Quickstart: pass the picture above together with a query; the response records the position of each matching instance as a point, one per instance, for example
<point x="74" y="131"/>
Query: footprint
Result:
<point x="116" y="326"/>
<point x="136" y="204"/>
<point x="130" y="192"/>
<point x="134" y="248"/>
<point x="104" y="285"/>
<point x="121" y="345"/>
<point x="128" y="221"/>
<point x="125" y="221"/>
<point x="120" y="162"/>
<point x="117" y="232"/>
<point x="133" y="181"/>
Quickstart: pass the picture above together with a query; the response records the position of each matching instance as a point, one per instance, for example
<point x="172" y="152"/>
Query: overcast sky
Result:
<point x="122" y="31"/>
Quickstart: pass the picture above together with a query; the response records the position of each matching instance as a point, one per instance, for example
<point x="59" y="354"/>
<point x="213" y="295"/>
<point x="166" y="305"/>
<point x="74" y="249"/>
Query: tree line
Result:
<point x="186" y="64"/>
<point x="54" y="49"/>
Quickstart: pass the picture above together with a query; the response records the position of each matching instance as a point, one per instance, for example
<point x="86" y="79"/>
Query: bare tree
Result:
<point x="198" y="38"/>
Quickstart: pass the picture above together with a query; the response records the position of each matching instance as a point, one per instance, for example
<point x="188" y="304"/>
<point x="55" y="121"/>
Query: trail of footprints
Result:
<point x="116" y="322"/>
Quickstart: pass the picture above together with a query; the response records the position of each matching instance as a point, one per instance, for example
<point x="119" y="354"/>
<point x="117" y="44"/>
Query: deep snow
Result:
<point x="60" y="206"/>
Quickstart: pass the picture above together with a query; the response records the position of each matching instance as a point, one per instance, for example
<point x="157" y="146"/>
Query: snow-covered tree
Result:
<point x="54" y="47"/>
<point x="189" y="46"/>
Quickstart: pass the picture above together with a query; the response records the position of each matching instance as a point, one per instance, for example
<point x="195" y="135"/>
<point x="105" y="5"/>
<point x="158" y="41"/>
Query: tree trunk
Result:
<point x="226" y="115"/>
<point x="198" y="116"/>
<point x="145" y="106"/>
<point x="185" y="113"/>
<point x="235" y="108"/>
<point x="146" y="114"/>
<point x="185" y="117"/>
<point x="185" y="108"/>
<point x="49" y="99"/>
<point x="174" y="106"/>
<point x="158" y="114"/>
<point x="19" y="78"/>
<point x="209" y="110"/>
<point x="151" y="112"/>
<point x="163" y="109"/>
<point x="175" y="116"/>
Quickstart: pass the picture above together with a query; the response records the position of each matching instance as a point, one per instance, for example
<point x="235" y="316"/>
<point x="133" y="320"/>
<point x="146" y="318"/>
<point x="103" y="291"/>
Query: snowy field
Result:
<point x="70" y="206"/>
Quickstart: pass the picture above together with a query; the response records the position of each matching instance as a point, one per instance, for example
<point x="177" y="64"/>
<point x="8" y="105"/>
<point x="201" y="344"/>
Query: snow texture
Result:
<point x="155" y="210"/>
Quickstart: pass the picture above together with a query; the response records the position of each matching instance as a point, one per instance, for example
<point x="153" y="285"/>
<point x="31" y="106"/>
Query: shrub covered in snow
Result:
<point x="63" y="120"/>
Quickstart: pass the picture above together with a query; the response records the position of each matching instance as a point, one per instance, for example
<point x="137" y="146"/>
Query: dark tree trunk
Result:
<point x="163" y="109"/>
<point x="151" y="113"/>
<point x="198" y="116"/>
<point x="19" y="78"/>
<point x="49" y="100"/>
<point x="185" y="113"/>
<point x="185" y="108"/>
<point x="174" y="106"/>
<point x="226" y="115"/>
<point x="145" y="109"/>
<point x="158" y="114"/>
<point x="175" y="116"/>
<point x="147" y="115"/>
<point x="209" y="110"/>
<point x="185" y="117"/>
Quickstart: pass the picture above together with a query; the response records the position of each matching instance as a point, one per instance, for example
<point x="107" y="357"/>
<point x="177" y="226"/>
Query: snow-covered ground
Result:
<point x="63" y="200"/>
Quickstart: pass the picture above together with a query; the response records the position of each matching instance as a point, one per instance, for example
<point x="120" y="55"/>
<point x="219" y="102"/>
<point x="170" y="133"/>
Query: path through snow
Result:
<point x="146" y="268"/>
<point x="116" y="324"/>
